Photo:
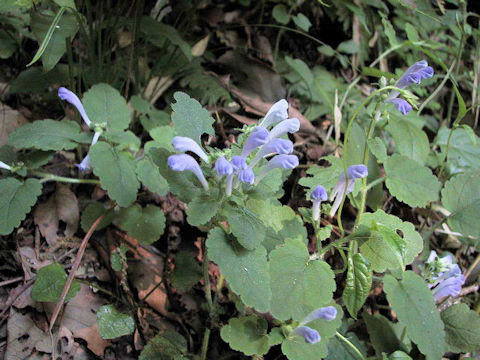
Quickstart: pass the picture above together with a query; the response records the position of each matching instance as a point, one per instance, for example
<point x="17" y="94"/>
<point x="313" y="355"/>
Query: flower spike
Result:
<point x="318" y="195"/>
<point x="181" y="143"/>
<point x="310" y="335"/>
<point x="184" y="162"/>
<point x="73" y="99"/>
<point x="278" y="112"/>
<point x="258" y="137"/>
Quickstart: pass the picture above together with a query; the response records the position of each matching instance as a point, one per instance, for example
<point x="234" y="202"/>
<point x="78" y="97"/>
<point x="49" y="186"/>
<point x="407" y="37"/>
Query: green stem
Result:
<point x="437" y="90"/>
<point x="350" y="345"/>
<point x="206" y="338"/>
<point x="333" y="244"/>
<point x="208" y="297"/>
<point x="50" y="177"/>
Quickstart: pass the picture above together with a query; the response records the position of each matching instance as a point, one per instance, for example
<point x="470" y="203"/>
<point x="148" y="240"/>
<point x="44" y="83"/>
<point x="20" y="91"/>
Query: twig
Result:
<point x="76" y="264"/>
<point x="11" y="281"/>
<point x="454" y="300"/>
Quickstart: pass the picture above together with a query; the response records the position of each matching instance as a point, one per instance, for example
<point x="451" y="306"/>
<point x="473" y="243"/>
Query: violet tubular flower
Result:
<point x="328" y="313"/>
<point x="223" y="167"/>
<point x="318" y="195"/>
<point x="257" y="138"/>
<point x="181" y="143"/>
<point x="278" y="112"/>
<point x="4" y="166"/>
<point x="246" y="176"/>
<point x="346" y="186"/>
<point x="280" y="162"/>
<point x="310" y="335"/>
<point x="414" y="75"/>
<point x="286" y="126"/>
<point x="73" y="99"/>
<point x="445" y="276"/>
<point x="184" y="162"/>
<point x="276" y="146"/>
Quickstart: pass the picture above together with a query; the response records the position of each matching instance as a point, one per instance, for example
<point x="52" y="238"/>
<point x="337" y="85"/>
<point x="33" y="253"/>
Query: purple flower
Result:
<point x="414" y="74"/>
<point x="184" y="162"/>
<point x="318" y="195"/>
<point x="445" y="276"/>
<point x="286" y="126"/>
<point x="223" y="167"/>
<point x="278" y="112"/>
<point x="4" y="166"/>
<point x="279" y="161"/>
<point x="84" y="166"/>
<point x="276" y="146"/>
<point x="73" y="99"/>
<point x="181" y="143"/>
<point x="246" y="175"/>
<point x="258" y="137"/>
<point x="238" y="163"/>
<point x="310" y="335"/>
<point x="402" y="105"/>
<point x="342" y="186"/>
<point x="451" y="285"/>
<point x="328" y="313"/>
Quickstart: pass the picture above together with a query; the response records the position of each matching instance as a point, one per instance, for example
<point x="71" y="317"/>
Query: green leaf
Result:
<point x="105" y="105"/>
<point x="463" y="152"/>
<point x="280" y="14"/>
<point x="325" y="176"/>
<point x="118" y="258"/>
<point x="378" y="149"/>
<point x="49" y="284"/>
<point x="359" y="282"/>
<point x="413" y="303"/>
<point x="144" y="224"/>
<point x="34" y="80"/>
<point x="112" y="324"/>
<point x="162" y="137"/>
<point x="348" y="47"/>
<point x="245" y="225"/>
<point x="16" y="199"/>
<point x="46" y="135"/>
<point x="8" y="45"/>
<point x="51" y="31"/>
<point x="246" y="271"/>
<point x="202" y="208"/>
<point x="303" y="284"/>
<point x="389" y="31"/>
<point x="399" y="355"/>
<point x="462" y="326"/>
<point x="411" y="182"/>
<point x="247" y="334"/>
<point x="385" y="249"/>
<point x="92" y="212"/>
<point x="156" y="32"/>
<point x="413" y="240"/>
<point x="127" y="139"/>
<point x="410" y="141"/>
<point x="385" y="335"/>
<point x="294" y="347"/>
<point x="149" y="174"/>
<point x="168" y="345"/>
<point x="339" y="350"/>
<point x="187" y="271"/>
<point x="189" y="118"/>
<point x="116" y="171"/>
<point x="284" y="225"/>
<point x="302" y="69"/>
<point x="412" y="33"/>
<point x="461" y="196"/>
<point x="302" y="22"/>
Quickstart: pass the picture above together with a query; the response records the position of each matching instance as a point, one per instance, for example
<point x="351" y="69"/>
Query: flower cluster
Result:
<point x="310" y="335"/>
<point x="444" y="276"/>
<point x="343" y="186"/>
<point x="414" y="75"/>
<point x="73" y="99"/>
<point x="239" y="169"/>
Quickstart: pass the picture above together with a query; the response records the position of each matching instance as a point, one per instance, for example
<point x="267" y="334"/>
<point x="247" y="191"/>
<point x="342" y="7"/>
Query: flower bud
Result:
<point x="278" y="112"/>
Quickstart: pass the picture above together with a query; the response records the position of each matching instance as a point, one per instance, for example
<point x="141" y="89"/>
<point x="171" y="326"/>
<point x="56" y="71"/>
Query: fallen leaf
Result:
<point x="63" y="205"/>
<point x="9" y="121"/>
<point x="146" y="274"/>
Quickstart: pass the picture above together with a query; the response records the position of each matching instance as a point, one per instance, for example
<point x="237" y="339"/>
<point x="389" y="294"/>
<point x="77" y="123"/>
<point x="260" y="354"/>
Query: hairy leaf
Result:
<point x="462" y="326"/>
<point x="413" y="303"/>
<point x="149" y="174"/>
<point x="247" y="334"/>
<point x="16" y="199"/>
<point x="245" y="225"/>
<point x="113" y="324"/>
<point x="49" y="284"/>
<point x="410" y="141"/>
<point x="359" y="282"/>
<point x="144" y="224"/>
